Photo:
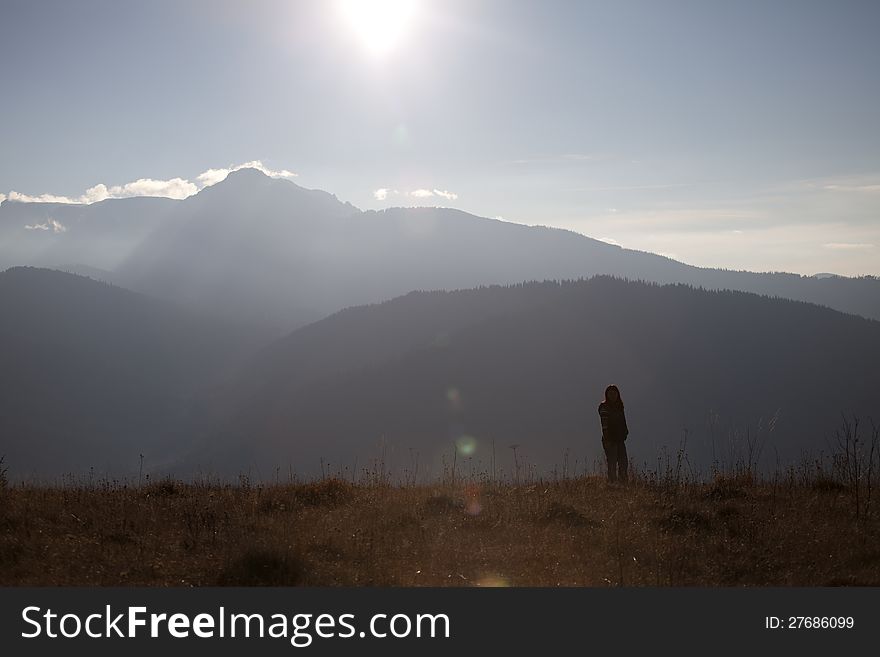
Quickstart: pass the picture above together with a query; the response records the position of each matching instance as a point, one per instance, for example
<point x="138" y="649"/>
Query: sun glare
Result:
<point x="380" y="25"/>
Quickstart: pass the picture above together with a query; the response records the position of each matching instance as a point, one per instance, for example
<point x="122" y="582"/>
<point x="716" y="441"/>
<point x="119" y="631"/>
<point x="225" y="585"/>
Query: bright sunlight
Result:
<point x="380" y="25"/>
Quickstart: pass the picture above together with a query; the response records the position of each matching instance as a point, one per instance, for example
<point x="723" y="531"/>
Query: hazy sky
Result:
<point x="737" y="134"/>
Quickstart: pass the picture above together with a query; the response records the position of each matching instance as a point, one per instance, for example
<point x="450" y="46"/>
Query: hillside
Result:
<point x="92" y="376"/>
<point x="527" y="365"/>
<point x="99" y="236"/>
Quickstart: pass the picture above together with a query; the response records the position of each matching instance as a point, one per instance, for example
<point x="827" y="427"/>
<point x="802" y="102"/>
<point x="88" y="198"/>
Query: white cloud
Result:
<point x="383" y="193"/>
<point x="213" y="176"/>
<point x="628" y="188"/>
<point x="42" y="198"/>
<point x="428" y="193"/>
<point x="864" y="183"/>
<point x="844" y="246"/>
<point x="56" y="226"/>
<point x="97" y="193"/>
<point x="853" y="188"/>
<point x="665" y="218"/>
<point x="175" y="188"/>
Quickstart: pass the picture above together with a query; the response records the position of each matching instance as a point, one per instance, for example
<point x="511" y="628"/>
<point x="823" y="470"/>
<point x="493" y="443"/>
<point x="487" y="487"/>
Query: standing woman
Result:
<point x="614" y="432"/>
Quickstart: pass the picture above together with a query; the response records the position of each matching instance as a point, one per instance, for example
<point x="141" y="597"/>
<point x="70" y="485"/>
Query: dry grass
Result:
<point x="731" y="531"/>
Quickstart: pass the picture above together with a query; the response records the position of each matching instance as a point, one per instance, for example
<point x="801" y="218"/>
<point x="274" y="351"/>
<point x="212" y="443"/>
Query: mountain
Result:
<point x="527" y="365"/>
<point x="99" y="236"/>
<point x="92" y="375"/>
<point x="270" y="251"/>
<point x="250" y="247"/>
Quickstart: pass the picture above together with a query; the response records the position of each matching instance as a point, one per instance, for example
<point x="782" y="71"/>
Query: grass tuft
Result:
<point x="261" y="567"/>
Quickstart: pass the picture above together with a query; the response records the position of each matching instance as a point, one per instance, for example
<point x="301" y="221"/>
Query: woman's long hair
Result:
<point x="615" y="389"/>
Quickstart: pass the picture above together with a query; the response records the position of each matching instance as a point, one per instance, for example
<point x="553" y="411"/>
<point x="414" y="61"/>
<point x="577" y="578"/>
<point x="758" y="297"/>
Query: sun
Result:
<point x="380" y="25"/>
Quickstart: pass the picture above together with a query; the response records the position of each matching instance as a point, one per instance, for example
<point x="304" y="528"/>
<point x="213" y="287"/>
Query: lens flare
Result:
<point x="466" y="445"/>
<point x="492" y="581"/>
<point x="472" y="505"/>
<point x="453" y="397"/>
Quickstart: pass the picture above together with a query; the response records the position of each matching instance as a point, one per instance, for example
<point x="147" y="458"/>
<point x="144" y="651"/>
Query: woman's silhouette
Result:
<point x="614" y="432"/>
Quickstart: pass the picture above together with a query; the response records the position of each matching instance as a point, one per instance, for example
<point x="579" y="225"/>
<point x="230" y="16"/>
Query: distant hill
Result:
<point x="527" y="365"/>
<point x="93" y="375"/>
<point x="269" y="251"/>
<point x="98" y="236"/>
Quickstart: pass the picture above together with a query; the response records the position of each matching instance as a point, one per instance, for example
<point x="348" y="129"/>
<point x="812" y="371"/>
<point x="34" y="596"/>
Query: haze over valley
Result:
<point x="259" y="325"/>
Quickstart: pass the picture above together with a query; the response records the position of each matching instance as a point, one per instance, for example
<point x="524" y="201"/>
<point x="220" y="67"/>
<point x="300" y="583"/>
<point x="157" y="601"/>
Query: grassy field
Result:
<point x="728" y="531"/>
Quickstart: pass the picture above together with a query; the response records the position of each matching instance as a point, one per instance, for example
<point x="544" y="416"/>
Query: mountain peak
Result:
<point x="246" y="176"/>
<point x="245" y="183"/>
<point x="246" y="173"/>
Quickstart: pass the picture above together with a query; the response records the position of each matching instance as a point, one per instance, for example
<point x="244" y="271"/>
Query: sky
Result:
<point x="743" y="135"/>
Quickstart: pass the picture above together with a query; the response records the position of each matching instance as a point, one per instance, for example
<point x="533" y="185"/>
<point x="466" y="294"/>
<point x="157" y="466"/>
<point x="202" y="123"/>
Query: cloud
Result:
<point x="864" y="183"/>
<point x="427" y="193"/>
<point x="213" y="176"/>
<point x="848" y="246"/>
<point x="56" y="226"/>
<point x="42" y="198"/>
<point x="666" y="218"/>
<point x="175" y="188"/>
<point x="383" y="193"/>
<point x="867" y="183"/>
<point x="97" y="193"/>
<point x="853" y="188"/>
<point x="628" y="188"/>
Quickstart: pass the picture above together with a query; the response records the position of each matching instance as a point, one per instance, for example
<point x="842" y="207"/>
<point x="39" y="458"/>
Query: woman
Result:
<point x="614" y="432"/>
